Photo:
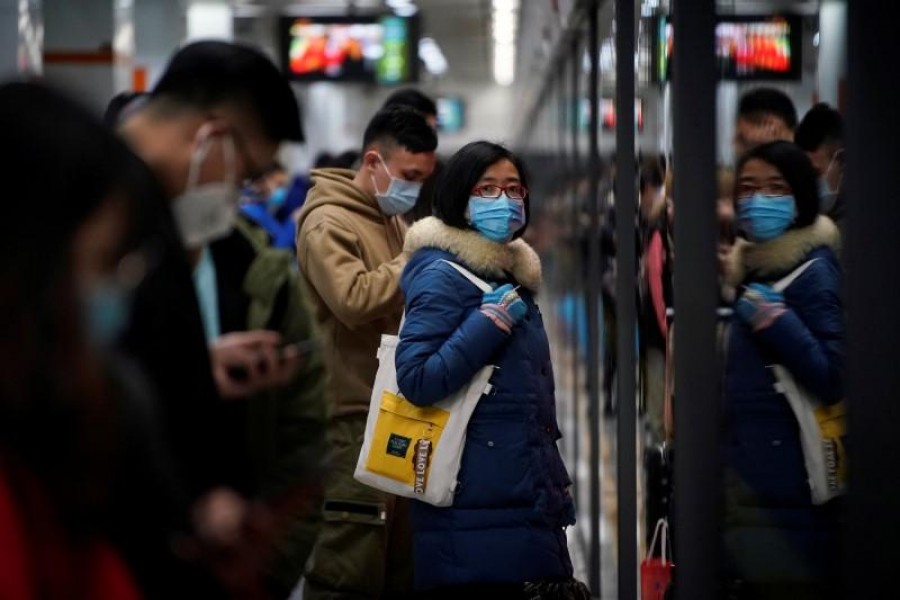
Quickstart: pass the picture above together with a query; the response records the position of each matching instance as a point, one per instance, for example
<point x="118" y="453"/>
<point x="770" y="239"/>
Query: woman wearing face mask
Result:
<point x="505" y="530"/>
<point x="778" y="543"/>
<point x="62" y="431"/>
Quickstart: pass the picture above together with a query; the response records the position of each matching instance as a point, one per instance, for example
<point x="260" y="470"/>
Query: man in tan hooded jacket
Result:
<point x="349" y="247"/>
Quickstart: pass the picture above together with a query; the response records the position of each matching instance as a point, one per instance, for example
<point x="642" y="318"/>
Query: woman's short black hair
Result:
<point x="796" y="168"/>
<point x="461" y="174"/>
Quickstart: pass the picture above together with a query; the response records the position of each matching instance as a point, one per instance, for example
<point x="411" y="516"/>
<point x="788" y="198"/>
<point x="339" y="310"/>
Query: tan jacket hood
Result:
<point x="335" y="187"/>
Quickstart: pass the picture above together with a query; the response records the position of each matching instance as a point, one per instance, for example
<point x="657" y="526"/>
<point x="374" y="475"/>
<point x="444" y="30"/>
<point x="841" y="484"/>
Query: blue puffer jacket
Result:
<point x="773" y="532"/>
<point x="512" y="504"/>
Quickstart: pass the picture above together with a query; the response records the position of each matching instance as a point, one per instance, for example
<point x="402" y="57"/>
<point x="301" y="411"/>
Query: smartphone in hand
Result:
<point x="301" y="348"/>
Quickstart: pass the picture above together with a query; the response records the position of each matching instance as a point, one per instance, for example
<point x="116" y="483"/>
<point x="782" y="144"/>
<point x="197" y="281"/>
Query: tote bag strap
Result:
<point x="661" y="526"/>
<point x="783" y="283"/>
<point x="479" y="283"/>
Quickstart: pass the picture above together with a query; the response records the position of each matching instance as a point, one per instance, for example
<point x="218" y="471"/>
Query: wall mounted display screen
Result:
<point x="747" y="47"/>
<point x="663" y="54"/>
<point x="758" y="47"/>
<point x="382" y="49"/>
<point x="451" y="114"/>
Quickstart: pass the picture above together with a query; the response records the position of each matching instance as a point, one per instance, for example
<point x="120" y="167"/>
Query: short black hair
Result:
<point x="764" y="101"/>
<point x="652" y="172"/>
<point x="461" y="174"/>
<point x="323" y="160"/>
<point x="120" y="106"/>
<point x="346" y="159"/>
<point x="209" y="73"/>
<point x="402" y="126"/>
<point x="821" y="125"/>
<point x="796" y="168"/>
<point x="50" y="134"/>
<point x="412" y="98"/>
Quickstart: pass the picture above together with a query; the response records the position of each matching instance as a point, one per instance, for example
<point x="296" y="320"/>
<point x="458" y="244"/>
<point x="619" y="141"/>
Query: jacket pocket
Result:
<point x="769" y="471"/>
<point x="496" y="468"/>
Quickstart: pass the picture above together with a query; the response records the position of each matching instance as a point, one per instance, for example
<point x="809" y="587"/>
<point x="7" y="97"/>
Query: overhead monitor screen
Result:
<point x="361" y="49"/>
<point x="451" y="114"/>
<point x="758" y="48"/>
<point x="747" y="47"/>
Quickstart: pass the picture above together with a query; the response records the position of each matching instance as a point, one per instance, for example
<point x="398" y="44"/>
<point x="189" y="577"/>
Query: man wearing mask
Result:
<point x="764" y="115"/>
<point x="413" y="98"/>
<point x="272" y="203"/>
<point x="349" y="248"/>
<point x="821" y="135"/>
<point x="214" y="120"/>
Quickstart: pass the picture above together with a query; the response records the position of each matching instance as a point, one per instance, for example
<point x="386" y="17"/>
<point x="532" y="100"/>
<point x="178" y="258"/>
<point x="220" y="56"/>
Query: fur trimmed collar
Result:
<point x="776" y="257"/>
<point x="476" y="251"/>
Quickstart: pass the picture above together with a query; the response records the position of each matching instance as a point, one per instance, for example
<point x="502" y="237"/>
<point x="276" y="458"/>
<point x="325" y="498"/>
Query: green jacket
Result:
<point x="285" y="429"/>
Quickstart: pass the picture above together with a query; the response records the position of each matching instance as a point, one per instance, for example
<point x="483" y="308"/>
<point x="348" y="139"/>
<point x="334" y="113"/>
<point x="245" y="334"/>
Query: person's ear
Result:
<point x="370" y="160"/>
<point x="207" y="129"/>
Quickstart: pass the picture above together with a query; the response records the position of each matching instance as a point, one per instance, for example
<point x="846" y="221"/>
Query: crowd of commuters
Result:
<point x="191" y="345"/>
<point x="193" y="348"/>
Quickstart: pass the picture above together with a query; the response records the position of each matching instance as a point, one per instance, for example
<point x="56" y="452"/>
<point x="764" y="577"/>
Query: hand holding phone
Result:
<point x="248" y="362"/>
<point x="301" y="348"/>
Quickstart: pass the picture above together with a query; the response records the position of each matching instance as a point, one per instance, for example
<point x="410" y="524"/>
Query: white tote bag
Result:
<point x="416" y="451"/>
<point x="822" y="427"/>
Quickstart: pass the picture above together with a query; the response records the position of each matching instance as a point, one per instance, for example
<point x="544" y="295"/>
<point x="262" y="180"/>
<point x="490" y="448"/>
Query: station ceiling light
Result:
<point x="432" y="56"/>
<point x="402" y="8"/>
<point x="504" y="29"/>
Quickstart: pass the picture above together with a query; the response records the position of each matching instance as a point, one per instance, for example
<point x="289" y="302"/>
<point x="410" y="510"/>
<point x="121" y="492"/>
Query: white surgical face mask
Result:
<point x="206" y="212"/>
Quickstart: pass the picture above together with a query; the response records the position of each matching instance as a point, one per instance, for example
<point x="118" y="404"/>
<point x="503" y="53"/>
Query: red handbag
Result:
<point x="656" y="572"/>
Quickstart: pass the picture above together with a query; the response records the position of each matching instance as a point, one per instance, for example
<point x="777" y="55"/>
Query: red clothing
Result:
<point x="655" y="264"/>
<point x="43" y="560"/>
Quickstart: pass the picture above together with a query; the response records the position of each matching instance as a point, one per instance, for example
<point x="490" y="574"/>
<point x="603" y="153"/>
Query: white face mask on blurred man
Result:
<point x="206" y="212"/>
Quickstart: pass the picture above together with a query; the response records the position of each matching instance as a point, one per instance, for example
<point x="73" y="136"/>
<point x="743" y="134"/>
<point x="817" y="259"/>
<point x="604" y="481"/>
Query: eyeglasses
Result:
<point x="746" y="190"/>
<point x="514" y="191"/>
<point x="254" y="174"/>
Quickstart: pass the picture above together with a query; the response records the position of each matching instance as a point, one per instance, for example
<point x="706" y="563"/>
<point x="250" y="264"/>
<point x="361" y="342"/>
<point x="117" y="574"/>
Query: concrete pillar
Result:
<point x="88" y="48"/>
<point x="21" y="37"/>
<point x="832" y="71"/>
<point x="160" y="28"/>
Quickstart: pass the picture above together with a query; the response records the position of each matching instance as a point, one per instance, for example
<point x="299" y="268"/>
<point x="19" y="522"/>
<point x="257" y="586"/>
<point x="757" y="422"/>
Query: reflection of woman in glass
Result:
<point x="779" y="544"/>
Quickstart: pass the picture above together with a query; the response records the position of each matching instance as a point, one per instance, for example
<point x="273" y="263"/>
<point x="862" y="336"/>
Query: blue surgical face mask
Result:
<point x="497" y="219"/>
<point x="401" y="195"/>
<point x="106" y="308"/>
<point x="827" y="196"/>
<point x="764" y="218"/>
<point x="277" y="197"/>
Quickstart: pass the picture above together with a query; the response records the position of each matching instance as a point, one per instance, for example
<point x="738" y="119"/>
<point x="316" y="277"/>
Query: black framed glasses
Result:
<point x="514" y="191"/>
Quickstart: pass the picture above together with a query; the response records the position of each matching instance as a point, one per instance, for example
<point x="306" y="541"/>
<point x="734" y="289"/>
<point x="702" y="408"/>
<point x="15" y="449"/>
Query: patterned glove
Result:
<point x="759" y="306"/>
<point x="504" y="307"/>
<point x="496" y="296"/>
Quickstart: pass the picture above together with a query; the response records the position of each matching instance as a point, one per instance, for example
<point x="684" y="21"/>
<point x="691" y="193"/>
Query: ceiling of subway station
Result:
<point x="461" y="28"/>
